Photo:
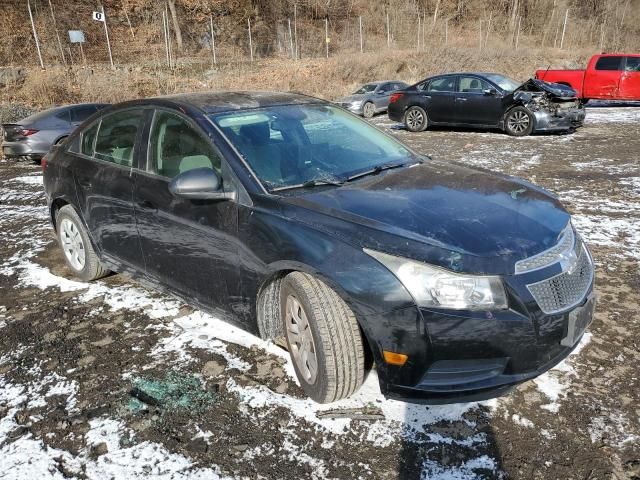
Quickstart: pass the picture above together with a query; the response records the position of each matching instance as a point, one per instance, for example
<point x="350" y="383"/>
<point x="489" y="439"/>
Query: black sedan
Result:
<point x="487" y="100"/>
<point x="306" y="225"/>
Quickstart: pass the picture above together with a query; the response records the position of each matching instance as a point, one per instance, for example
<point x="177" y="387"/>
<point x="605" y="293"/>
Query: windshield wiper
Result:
<point x="375" y="170"/>
<point x="308" y="184"/>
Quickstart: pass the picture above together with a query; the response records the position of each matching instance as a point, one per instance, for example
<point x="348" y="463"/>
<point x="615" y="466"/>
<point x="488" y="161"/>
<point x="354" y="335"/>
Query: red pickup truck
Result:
<point x="611" y="76"/>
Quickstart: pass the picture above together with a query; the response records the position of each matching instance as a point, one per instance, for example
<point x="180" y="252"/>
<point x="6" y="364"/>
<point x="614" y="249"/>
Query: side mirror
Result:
<point x="199" y="184"/>
<point x="490" y="91"/>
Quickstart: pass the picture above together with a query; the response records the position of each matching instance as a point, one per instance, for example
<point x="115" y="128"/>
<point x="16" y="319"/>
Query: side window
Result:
<point x="633" y="64"/>
<point x="608" y="63"/>
<point x="442" y="84"/>
<point x="472" y="85"/>
<point x="88" y="138"/>
<point x="176" y="146"/>
<point x="80" y="114"/>
<point x="385" y="88"/>
<point x="117" y="137"/>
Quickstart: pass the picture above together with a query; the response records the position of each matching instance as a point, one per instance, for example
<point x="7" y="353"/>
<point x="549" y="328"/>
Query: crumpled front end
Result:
<point x="556" y="107"/>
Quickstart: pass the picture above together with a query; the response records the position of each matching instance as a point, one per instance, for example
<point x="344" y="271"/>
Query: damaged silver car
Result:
<point x="487" y="100"/>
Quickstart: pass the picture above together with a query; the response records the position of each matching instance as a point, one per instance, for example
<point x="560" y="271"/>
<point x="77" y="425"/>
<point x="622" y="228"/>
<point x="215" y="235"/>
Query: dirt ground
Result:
<point x="77" y="360"/>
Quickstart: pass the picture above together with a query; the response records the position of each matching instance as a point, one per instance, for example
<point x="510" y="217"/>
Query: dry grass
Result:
<point x="325" y="78"/>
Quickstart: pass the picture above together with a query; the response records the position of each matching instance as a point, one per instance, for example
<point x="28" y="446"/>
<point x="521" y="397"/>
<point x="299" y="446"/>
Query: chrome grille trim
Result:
<point x="567" y="289"/>
<point x="550" y="256"/>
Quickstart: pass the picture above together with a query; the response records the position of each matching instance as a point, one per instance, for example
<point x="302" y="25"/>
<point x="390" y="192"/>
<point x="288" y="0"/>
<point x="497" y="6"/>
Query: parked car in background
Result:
<point x="487" y="100"/>
<point x="308" y="225"/>
<point x="371" y="98"/>
<point x="32" y="137"/>
<point x="611" y="76"/>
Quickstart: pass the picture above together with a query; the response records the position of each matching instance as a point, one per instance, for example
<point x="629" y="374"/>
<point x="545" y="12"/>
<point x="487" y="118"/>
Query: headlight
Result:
<point x="356" y="103"/>
<point x="439" y="288"/>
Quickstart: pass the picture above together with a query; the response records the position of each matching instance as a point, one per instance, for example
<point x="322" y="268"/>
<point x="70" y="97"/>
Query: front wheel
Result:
<point x="519" y="122"/>
<point x="323" y="337"/>
<point x="368" y="110"/>
<point x="78" y="252"/>
<point x="415" y="119"/>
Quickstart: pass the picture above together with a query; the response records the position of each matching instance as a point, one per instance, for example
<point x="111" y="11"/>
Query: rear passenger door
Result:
<point x="603" y="80"/>
<point x="103" y="174"/>
<point x="189" y="245"/>
<point x="630" y="82"/>
<point x="381" y="96"/>
<point x="439" y="94"/>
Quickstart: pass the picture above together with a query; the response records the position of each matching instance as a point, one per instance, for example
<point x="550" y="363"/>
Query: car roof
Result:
<point x="222" y="101"/>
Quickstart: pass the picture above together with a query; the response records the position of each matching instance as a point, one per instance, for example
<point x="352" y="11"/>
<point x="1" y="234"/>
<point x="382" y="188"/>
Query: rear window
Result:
<point x="608" y="63"/>
<point x="80" y="114"/>
<point x="633" y="64"/>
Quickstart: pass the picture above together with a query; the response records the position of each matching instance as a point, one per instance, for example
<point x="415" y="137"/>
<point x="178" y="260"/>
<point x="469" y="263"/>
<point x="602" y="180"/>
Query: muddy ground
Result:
<point x="71" y="355"/>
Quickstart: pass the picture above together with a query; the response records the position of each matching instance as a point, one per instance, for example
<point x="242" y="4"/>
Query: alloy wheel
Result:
<point x="72" y="244"/>
<point x="518" y="121"/>
<point x="368" y="110"/>
<point x="303" y="349"/>
<point x="415" y="119"/>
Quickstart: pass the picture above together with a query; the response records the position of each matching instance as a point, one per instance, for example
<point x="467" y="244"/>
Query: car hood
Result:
<point x="461" y="218"/>
<point x="556" y="90"/>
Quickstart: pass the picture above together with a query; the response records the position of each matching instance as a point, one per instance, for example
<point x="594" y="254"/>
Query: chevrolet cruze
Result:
<point x="302" y="223"/>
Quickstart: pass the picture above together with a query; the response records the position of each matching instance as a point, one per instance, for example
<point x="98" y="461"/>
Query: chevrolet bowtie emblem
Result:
<point x="568" y="261"/>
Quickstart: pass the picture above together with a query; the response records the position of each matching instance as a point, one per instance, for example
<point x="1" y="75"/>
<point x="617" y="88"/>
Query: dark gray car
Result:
<point x="32" y="137"/>
<point x="371" y="98"/>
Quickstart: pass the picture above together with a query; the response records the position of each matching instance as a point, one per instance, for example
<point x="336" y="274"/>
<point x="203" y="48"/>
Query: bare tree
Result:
<point x="176" y="24"/>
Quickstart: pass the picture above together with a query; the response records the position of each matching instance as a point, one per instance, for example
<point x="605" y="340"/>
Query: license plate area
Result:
<point x="579" y="320"/>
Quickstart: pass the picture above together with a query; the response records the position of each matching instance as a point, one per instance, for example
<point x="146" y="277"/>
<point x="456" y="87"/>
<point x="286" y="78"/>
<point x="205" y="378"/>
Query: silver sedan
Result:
<point x="371" y="98"/>
<point x="32" y="137"/>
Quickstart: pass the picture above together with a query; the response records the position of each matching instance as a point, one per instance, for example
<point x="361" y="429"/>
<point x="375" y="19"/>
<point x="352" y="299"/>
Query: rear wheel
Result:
<point x="368" y="110"/>
<point x="323" y="337"/>
<point x="519" y="122"/>
<point x="415" y="119"/>
<point x="78" y="252"/>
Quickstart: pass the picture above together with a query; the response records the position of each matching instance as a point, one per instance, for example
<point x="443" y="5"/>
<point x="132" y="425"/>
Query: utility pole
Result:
<point x="35" y="34"/>
<point x="361" y="42"/>
<point x="388" y="32"/>
<point x="213" y="40"/>
<point x="564" y="28"/>
<point x="295" y="28"/>
<point x="326" y="34"/>
<point x="106" y="33"/>
<point x="250" y="40"/>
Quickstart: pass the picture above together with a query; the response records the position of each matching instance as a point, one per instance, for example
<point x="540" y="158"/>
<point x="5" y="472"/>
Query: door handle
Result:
<point x="147" y="205"/>
<point x="461" y="99"/>
<point x="427" y="96"/>
<point x="85" y="183"/>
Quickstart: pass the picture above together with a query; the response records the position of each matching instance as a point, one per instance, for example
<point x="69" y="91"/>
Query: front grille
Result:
<point x="566" y="289"/>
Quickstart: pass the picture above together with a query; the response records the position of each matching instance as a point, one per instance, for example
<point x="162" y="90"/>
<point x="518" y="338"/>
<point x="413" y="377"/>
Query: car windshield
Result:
<point x="368" y="88"/>
<point x="292" y="145"/>
<point x="505" y="83"/>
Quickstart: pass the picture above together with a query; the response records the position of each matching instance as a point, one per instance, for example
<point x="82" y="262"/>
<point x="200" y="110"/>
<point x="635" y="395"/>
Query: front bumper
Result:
<point x="461" y="356"/>
<point x="564" y="120"/>
<point x="353" y="108"/>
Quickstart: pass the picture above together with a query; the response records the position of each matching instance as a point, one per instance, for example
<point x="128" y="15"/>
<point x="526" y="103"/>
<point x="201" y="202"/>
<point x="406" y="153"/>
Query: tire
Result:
<point x="518" y="122"/>
<point x="76" y="246"/>
<point x="368" y="110"/>
<point x="332" y="338"/>
<point x="415" y="119"/>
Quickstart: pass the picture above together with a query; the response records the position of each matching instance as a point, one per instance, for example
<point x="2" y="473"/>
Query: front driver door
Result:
<point x="381" y="96"/>
<point x="189" y="245"/>
<point x="473" y="106"/>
